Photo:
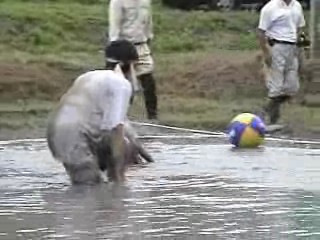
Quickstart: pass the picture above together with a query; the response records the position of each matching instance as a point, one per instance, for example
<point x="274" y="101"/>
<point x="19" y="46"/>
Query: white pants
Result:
<point x="71" y="147"/>
<point x="282" y="77"/>
<point x="145" y="63"/>
<point x="81" y="152"/>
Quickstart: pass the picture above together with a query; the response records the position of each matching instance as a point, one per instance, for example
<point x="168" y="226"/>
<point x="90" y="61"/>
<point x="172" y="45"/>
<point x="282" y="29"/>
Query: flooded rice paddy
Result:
<point x="198" y="188"/>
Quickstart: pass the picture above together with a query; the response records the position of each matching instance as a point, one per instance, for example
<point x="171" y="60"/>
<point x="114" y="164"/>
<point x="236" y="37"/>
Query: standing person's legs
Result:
<point x="144" y="70"/>
<point x="275" y="80"/>
<point x="86" y="173"/>
<point x="291" y="79"/>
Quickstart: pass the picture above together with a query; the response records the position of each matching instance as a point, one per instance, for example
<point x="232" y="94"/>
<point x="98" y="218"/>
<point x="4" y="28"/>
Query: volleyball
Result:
<point x="246" y="130"/>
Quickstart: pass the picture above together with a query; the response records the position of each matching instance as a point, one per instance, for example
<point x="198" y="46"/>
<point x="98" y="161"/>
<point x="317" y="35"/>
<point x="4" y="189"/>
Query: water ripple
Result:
<point x="192" y="192"/>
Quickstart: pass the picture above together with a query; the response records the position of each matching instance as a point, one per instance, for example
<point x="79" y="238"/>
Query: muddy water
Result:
<point x="197" y="189"/>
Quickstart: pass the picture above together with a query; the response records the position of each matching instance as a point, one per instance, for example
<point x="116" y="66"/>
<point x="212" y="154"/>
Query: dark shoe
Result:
<point x="274" y="128"/>
<point x="153" y="121"/>
<point x="274" y="114"/>
<point x="152" y="115"/>
<point x="272" y="109"/>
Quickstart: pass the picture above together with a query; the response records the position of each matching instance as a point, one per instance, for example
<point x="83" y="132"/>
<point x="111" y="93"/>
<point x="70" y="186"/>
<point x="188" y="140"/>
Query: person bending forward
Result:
<point x="86" y="131"/>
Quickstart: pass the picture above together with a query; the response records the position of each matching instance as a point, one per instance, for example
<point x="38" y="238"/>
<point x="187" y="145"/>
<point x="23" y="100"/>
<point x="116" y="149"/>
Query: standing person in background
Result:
<point x="132" y="20"/>
<point x="278" y="33"/>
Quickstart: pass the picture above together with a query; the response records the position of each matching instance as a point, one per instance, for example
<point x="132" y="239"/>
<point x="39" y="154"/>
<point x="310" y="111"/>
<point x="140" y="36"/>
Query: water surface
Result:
<point x="198" y="188"/>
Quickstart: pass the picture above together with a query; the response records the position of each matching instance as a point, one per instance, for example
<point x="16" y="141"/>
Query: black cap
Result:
<point x="121" y="50"/>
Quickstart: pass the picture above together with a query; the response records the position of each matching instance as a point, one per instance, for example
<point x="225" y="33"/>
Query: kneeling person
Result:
<point x="87" y="130"/>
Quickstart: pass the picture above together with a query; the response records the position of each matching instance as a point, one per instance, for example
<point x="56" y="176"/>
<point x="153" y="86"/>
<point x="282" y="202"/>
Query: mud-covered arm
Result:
<point x="114" y="116"/>
<point x="117" y="146"/>
<point x="301" y="24"/>
<point x="263" y="26"/>
<point x="263" y="42"/>
<point x="132" y="136"/>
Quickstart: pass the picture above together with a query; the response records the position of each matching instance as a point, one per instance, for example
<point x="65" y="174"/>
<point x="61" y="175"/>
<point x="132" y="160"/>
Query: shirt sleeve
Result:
<point x="115" y="112"/>
<point x="115" y="15"/>
<point x="265" y="19"/>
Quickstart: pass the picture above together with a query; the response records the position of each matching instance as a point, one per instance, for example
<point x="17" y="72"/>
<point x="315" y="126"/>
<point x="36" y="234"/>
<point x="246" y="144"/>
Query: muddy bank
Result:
<point x="204" y="92"/>
<point x="23" y="133"/>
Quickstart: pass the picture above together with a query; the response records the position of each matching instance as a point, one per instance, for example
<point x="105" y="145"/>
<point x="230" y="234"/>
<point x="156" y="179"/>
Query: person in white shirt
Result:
<point x="132" y="20"/>
<point x="88" y="131"/>
<point x="278" y="31"/>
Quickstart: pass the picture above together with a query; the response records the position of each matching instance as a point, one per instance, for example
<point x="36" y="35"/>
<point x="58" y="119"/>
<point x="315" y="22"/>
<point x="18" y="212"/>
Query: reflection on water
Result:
<point x="195" y="190"/>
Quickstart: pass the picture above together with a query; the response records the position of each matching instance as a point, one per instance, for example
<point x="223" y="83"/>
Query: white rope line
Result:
<point x="174" y="136"/>
<point x="221" y="134"/>
<point x="197" y="134"/>
<point x="180" y="129"/>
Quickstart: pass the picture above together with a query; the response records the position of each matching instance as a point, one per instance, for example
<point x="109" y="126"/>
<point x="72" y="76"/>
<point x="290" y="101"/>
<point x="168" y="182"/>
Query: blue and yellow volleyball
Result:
<point x="246" y="131"/>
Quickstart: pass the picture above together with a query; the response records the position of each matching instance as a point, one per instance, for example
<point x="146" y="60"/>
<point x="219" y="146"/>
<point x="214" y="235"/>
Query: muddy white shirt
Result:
<point x="98" y="100"/>
<point x="281" y="21"/>
<point x="130" y="20"/>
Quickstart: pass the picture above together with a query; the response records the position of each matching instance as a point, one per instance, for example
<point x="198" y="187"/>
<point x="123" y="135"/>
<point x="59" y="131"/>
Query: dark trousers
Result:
<point x="150" y="95"/>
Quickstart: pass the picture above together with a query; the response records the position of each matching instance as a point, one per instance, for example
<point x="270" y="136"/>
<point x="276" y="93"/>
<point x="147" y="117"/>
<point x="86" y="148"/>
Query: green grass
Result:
<point x="195" y="113"/>
<point x="51" y="28"/>
<point x="71" y="29"/>
<point x="198" y="113"/>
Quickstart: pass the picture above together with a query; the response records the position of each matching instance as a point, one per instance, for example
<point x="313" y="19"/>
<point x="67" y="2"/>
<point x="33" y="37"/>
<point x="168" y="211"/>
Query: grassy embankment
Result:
<point x="206" y="64"/>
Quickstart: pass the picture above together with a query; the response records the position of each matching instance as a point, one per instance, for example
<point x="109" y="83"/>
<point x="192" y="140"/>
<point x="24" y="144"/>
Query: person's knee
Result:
<point x="149" y="86"/>
<point x="293" y="86"/>
<point x="86" y="173"/>
<point x="147" y="81"/>
<point x="294" y="89"/>
<point x="274" y="92"/>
